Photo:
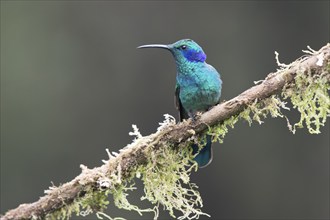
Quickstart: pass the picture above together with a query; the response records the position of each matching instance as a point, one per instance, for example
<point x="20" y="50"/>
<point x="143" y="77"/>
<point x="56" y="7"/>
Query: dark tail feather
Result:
<point x="204" y="157"/>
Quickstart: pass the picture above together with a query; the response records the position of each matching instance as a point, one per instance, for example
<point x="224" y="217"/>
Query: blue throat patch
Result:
<point x="194" y="56"/>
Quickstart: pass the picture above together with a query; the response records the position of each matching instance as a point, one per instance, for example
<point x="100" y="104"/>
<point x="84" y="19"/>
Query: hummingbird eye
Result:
<point x="183" y="47"/>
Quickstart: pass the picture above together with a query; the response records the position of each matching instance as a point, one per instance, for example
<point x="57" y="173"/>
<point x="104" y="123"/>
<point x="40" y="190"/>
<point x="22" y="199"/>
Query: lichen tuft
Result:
<point x="309" y="94"/>
<point x="92" y="201"/>
<point x="166" y="179"/>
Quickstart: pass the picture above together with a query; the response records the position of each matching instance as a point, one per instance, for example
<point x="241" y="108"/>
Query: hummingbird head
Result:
<point x="183" y="51"/>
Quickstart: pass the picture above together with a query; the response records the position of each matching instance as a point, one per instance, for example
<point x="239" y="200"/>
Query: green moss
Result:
<point x="219" y="131"/>
<point x="169" y="173"/>
<point x="166" y="179"/>
<point x="328" y="67"/>
<point x="93" y="201"/>
<point x="257" y="111"/>
<point x="310" y="96"/>
<point x="120" y="198"/>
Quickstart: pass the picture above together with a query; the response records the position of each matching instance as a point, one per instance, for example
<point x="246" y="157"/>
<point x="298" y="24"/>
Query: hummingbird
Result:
<point x="198" y="87"/>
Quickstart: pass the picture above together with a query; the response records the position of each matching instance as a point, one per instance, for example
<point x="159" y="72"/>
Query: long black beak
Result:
<point x="154" y="46"/>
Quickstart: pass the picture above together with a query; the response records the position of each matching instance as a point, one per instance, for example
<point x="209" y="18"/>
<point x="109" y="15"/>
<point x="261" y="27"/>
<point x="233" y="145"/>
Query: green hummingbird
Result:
<point x="198" y="87"/>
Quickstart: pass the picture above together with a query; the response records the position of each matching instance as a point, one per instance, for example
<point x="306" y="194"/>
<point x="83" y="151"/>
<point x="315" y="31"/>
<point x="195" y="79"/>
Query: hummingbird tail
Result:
<point x="204" y="157"/>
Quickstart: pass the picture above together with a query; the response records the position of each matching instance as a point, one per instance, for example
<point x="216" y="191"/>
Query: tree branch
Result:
<point x="136" y="154"/>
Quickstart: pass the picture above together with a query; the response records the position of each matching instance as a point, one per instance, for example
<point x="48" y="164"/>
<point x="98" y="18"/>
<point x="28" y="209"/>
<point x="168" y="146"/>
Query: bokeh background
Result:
<point x="73" y="83"/>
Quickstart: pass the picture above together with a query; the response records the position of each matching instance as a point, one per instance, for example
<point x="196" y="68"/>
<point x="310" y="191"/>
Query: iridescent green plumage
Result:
<point x="198" y="86"/>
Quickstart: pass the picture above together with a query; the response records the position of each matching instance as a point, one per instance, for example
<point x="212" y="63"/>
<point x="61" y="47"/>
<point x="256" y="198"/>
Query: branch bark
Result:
<point x="128" y="159"/>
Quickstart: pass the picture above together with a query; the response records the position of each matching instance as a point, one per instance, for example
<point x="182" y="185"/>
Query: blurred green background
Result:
<point x="73" y="82"/>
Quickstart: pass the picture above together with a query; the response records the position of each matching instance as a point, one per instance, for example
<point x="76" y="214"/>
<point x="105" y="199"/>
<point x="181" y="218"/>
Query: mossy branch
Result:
<point x="164" y="169"/>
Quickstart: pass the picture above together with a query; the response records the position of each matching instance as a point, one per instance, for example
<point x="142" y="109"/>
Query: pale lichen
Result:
<point x="219" y="131"/>
<point x="120" y="198"/>
<point x="166" y="179"/>
<point x="256" y="111"/>
<point x="92" y="201"/>
<point x="309" y="94"/>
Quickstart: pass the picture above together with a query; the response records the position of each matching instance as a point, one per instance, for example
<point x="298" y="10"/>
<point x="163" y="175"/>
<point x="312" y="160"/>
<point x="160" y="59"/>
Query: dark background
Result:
<point x="72" y="83"/>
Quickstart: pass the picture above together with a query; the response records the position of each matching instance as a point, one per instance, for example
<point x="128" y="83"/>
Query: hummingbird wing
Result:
<point x="182" y="113"/>
<point x="204" y="156"/>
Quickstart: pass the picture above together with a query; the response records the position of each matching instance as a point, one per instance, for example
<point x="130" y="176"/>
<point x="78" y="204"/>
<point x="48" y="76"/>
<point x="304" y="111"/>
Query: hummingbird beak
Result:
<point x="154" y="46"/>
